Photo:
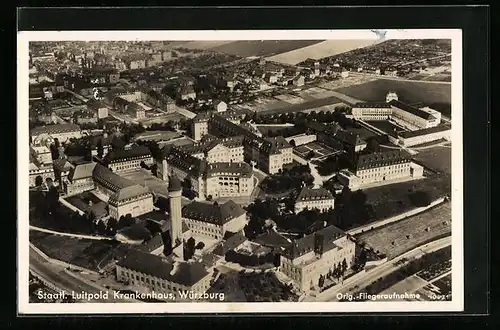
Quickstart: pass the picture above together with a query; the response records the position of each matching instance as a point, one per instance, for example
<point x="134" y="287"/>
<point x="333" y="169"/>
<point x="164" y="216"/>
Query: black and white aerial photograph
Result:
<point x="219" y="174"/>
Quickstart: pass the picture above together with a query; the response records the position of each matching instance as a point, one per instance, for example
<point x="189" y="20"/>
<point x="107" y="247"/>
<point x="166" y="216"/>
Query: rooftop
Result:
<point x="216" y="214"/>
<point x="104" y="176"/>
<point x="384" y="158"/>
<point x="183" y="273"/>
<point x="81" y="171"/>
<point x="128" y="193"/>
<point x="117" y="155"/>
<point x="372" y="105"/>
<point x="234" y="168"/>
<point x="57" y="128"/>
<point x="424" y="131"/>
<point x="414" y="111"/>
<point x="326" y="237"/>
<point x="309" y="194"/>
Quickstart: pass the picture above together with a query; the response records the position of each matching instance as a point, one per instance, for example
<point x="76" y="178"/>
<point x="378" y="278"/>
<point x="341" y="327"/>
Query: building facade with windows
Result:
<point x="128" y="159"/>
<point x="214" y="220"/>
<point x="314" y="198"/>
<point x="315" y="255"/>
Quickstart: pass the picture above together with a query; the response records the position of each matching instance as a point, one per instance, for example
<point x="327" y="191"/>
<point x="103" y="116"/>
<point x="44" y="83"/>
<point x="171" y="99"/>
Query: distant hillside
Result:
<point x="320" y="50"/>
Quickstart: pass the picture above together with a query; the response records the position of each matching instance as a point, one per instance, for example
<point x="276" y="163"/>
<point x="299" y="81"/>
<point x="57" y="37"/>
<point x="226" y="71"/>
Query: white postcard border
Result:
<point x="24" y="307"/>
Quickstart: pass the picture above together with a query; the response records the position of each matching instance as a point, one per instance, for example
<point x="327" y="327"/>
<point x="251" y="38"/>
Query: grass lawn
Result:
<point x="437" y="159"/>
<point x="392" y="239"/>
<point x="437" y="96"/>
<point x="246" y="48"/>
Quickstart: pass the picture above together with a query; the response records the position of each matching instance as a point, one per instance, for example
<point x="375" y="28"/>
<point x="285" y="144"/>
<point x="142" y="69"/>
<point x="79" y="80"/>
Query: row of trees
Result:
<point x="336" y="272"/>
<point x="190" y="246"/>
<point x="252" y="259"/>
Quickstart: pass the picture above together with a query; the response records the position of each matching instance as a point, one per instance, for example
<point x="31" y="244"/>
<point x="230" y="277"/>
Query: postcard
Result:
<point x="240" y="171"/>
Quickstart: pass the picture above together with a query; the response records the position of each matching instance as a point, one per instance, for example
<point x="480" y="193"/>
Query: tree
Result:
<point x="111" y="227"/>
<point x="344" y="266"/>
<point x="100" y="148"/>
<point x="199" y="246"/>
<point x="189" y="248"/>
<point x="38" y="181"/>
<point x="101" y="227"/>
<point x="292" y="143"/>
<point x="321" y="281"/>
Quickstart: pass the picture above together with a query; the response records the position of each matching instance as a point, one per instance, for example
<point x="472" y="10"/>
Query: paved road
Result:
<point x="381" y="271"/>
<point x="58" y="276"/>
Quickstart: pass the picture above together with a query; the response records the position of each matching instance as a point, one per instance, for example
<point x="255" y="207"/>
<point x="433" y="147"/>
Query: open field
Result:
<point x="320" y="50"/>
<point x="437" y="158"/>
<point x="247" y="48"/>
<point x="316" y="93"/>
<point x="436" y="96"/>
<point x="288" y="98"/>
<point x="400" y="237"/>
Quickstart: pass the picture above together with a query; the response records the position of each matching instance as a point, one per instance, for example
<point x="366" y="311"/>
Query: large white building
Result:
<point x="412" y="138"/>
<point x="218" y="179"/>
<point x="162" y="275"/>
<point x="408" y="116"/>
<point x="215" y="150"/>
<point x="128" y="159"/>
<point x="314" y="198"/>
<point x="380" y="167"/>
<point x="314" y="255"/>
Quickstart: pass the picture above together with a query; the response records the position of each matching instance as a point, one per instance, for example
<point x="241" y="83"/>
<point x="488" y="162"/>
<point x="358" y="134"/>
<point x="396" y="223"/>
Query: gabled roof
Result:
<point x="81" y="171"/>
<point x="128" y="193"/>
<point x="216" y="214"/>
<point x="414" y="111"/>
<point x="111" y="180"/>
<point x="379" y="159"/>
<point x="182" y="273"/>
<point x="309" y="194"/>
<point x="53" y="129"/>
<point x="372" y="105"/>
<point x="326" y="237"/>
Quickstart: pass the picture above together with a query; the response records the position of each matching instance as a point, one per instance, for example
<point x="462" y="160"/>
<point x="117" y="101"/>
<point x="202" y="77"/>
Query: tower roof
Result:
<point x="174" y="184"/>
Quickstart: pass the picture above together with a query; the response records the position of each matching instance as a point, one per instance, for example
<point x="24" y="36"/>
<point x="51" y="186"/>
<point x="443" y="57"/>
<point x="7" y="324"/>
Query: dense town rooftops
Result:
<point x="326" y="238"/>
<point x="82" y="171"/>
<point x="383" y="105"/>
<point x="311" y="194"/>
<point x="218" y="214"/>
<point x="184" y="273"/>
<point x="128" y="193"/>
<point x="110" y="180"/>
<point x="119" y="155"/>
<point x="379" y="159"/>
<point x="54" y="129"/>
<point x="408" y="108"/>
<point x="240" y="169"/>
<point x="424" y="131"/>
